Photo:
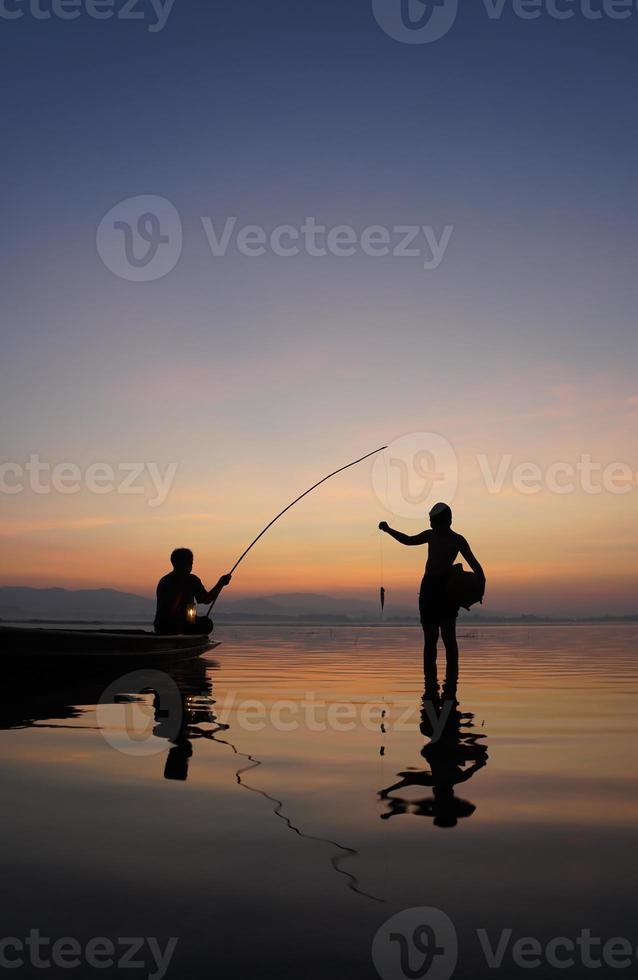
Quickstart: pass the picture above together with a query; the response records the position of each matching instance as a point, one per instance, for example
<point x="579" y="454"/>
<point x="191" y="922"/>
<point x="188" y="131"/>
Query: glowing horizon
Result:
<point x="510" y="331"/>
<point x="328" y="543"/>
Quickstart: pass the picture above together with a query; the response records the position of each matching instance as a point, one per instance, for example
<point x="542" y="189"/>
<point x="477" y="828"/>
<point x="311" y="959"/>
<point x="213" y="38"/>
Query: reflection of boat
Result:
<point x="58" y="691"/>
<point x="180" y="695"/>
<point x="21" y="641"/>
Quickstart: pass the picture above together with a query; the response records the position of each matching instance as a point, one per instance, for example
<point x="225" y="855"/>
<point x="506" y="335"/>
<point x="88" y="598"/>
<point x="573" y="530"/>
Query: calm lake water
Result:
<point x="273" y="804"/>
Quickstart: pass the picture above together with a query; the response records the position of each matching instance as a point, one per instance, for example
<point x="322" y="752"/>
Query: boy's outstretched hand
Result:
<point x="225" y="580"/>
<point x="383" y="526"/>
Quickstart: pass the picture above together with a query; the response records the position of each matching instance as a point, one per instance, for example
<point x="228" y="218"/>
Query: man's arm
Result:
<point x="214" y="593"/>
<point x="409" y="539"/>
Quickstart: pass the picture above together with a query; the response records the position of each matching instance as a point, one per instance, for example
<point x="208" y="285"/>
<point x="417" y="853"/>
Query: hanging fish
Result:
<point x="382" y="597"/>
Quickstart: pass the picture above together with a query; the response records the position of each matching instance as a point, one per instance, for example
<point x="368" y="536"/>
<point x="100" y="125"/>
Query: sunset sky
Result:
<point x="255" y="376"/>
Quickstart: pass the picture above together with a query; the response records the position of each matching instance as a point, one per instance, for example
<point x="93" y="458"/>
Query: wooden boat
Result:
<point x="26" y="641"/>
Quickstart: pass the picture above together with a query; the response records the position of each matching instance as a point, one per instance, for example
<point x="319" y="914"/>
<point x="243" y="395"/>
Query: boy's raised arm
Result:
<point x="409" y="539"/>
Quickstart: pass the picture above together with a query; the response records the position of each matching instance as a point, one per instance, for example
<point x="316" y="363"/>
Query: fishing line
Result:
<point x="382" y="587"/>
<point x="351" y="880"/>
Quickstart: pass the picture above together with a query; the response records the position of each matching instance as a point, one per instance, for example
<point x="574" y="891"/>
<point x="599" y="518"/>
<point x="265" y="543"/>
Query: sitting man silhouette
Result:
<point x="177" y="596"/>
<point x="437" y="607"/>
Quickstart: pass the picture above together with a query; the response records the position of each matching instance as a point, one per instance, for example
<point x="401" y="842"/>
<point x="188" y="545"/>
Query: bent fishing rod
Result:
<point x="296" y="501"/>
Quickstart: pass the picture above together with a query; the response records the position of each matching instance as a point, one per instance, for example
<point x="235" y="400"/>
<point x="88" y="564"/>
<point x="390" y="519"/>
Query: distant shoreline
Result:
<point x="100" y="607"/>
<point x="336" y="621"/>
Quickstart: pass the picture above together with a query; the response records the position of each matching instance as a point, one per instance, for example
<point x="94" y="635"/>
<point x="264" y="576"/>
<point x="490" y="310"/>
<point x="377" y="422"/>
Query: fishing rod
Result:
<point x="296" y="501"/>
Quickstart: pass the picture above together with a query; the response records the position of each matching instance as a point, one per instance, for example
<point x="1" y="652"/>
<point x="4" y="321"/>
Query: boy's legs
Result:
<point x="430" y="637"/>
<point x="448" y="635"/>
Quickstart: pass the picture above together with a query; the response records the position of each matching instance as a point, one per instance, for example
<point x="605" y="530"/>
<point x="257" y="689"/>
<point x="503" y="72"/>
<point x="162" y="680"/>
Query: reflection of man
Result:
<point x="453" y="758"/>
<point x="178" y="714"/>
<point x="177" y="596"/>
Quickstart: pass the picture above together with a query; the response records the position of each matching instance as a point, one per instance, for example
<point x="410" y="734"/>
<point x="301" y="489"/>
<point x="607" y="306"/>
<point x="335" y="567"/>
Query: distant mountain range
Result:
<point x="302" y="605"/>
<point x="20" y="603"/>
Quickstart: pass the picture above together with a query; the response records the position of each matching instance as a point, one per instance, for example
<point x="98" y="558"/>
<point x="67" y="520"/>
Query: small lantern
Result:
<point x="191" y="613"/>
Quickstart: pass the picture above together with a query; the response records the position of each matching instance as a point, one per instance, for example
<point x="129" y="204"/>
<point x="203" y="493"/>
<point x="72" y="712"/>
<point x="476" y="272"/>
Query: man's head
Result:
<point x="441" y="517"/>
<point x="182" y="560"/>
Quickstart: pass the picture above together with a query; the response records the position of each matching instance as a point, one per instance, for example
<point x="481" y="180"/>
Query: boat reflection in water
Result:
<point x="179" y="698"/>
<point x="180" y="694"/>
<point x="454" y="752"/>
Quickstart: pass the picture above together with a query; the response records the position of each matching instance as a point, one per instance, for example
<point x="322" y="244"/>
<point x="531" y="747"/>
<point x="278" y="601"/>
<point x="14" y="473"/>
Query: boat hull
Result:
<point x="22" y="642"/>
